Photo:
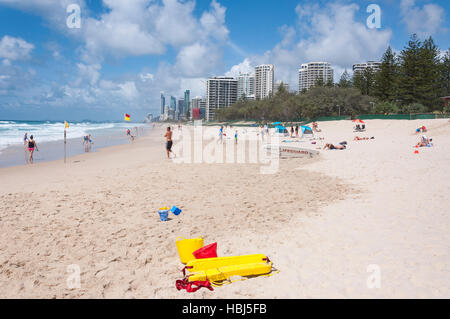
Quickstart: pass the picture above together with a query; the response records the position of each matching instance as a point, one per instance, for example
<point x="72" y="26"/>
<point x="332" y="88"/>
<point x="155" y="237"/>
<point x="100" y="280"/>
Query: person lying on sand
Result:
<point x="425" y="143"/>
<point x="333" y="147"/>
<point x="357" y="138"/>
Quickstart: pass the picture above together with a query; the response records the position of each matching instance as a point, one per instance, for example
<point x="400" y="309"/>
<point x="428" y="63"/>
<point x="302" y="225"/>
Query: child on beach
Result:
<point x="221" y="135"/>
<point x="235" y="136"/>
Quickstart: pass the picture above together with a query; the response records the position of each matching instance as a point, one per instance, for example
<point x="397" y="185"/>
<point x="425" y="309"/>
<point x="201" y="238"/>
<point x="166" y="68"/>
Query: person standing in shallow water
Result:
<point x="31" y="147"/>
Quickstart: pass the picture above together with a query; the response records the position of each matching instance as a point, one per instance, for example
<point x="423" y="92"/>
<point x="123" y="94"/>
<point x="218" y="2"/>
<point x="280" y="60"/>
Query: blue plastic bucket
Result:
<point x="163" y="215"/>
<point x="175" y="210"/>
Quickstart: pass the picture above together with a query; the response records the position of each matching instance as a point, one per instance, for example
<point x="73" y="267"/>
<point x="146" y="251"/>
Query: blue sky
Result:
<point x="127" y="52"/>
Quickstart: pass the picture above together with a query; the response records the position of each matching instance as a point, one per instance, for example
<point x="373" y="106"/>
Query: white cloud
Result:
<point x="15" y="48"/>
<point x="197" y="60"/>
<point x="213" y="22"/>
<point x="330" y="34"/>
<point x="91" y="73"/>
<point x="423" y="21"/>
<point x="128" y="90"/>
<point x="243" y="67"/>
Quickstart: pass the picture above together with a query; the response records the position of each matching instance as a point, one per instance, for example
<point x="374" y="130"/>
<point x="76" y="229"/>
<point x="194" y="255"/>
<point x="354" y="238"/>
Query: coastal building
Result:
<point x="311" y="72"/>
<point x="187" y="103"/>
<point x="221" y="92"/>
<point x="264" y="78"/>
<point x="246" y="85"/>
<point x="199" y="103"/>
<point x="361" y="67"/>
<point x="279" y="84"/>
<point x="163" y="104"/>
<point x="180" y="109"/>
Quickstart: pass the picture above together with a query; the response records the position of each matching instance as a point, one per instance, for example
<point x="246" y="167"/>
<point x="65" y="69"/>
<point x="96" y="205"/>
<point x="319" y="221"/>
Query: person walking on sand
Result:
<point x="296" y="131"/>
<point x="169" y="142"/>
<point x="235" y="136"/>
<point x="31" y="146"/>
<point x="25" y="139"/>
<point x="292" y="131"/>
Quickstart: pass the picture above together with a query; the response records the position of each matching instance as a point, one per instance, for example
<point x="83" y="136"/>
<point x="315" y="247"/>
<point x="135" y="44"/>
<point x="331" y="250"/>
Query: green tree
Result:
<point x="364" y="81"/>
<point x="386" y="79"/>
<point x="345" y="81"/>
<point x="386" y="108"/>
<point x="410" y="72"/>
<point x="429" y="79"/>
<point x="445" y="75"/>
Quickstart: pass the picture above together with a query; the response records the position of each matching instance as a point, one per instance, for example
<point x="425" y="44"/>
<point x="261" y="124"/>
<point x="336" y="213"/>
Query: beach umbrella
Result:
<point x="359" y="121"/>
<point x="306" y="128"/>
<point x="280" y="129"/>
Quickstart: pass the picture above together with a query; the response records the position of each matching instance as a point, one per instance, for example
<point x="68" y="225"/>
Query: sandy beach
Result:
<point x="325" y="222"/>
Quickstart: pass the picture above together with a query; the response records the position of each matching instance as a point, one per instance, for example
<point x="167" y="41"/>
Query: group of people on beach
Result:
<point x="425" y="142"/>
<point x="30" y="143"/>
<point x="222" y="134"/>
<point x="87" y="142"/>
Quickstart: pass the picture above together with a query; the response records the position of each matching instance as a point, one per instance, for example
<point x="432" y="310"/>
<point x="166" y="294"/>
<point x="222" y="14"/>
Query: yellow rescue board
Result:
<point x="196" y="265"/>
<point x="225" y="272"/>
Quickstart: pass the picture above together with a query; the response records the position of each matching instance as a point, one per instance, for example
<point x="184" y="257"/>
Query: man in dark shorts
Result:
<point x="169" y="142"/>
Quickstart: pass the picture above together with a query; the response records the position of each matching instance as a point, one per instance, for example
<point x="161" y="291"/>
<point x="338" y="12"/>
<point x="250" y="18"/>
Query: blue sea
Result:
<point x="12" y="132"/>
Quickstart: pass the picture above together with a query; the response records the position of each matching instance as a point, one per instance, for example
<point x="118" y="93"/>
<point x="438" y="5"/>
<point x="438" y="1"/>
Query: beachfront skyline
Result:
<point x="124" y="55"/>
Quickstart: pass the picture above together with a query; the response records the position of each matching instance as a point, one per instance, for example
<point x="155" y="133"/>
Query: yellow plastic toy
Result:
<point x="186" y="247"/>
<point x="225" y="272"/>
<point x="196" y="265"/>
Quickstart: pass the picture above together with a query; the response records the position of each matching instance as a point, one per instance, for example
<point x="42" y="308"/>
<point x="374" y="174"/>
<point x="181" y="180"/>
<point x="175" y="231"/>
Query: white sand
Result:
<point x="322" y="222"/>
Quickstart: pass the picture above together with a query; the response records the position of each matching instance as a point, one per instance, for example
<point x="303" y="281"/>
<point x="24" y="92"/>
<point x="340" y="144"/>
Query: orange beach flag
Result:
<point x="127" y="117"/>
<point x="66" y="125"/>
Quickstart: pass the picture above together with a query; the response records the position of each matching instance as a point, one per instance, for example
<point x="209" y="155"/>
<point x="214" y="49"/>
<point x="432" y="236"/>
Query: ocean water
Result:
<point x="12" y="132"/>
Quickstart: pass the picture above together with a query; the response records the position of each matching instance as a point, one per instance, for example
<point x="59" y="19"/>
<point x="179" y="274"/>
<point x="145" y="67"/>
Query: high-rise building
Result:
<point x="199" y="103"/>
<point x="361" y="67"/>
<point x="163" y="104"/>
<point x="311" y="72"/>
<point x="180" y="109"/>
<point x="264" y="77"/>
<point x="281" y="83"/>
<point x="246" y="85"/>
<point x="221" y="92"/>
<point x="173" y="103"/>
<point x="187" y="102"/>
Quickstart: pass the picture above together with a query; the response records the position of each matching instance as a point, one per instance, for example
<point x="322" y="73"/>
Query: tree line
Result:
<point x="412" y="81"/>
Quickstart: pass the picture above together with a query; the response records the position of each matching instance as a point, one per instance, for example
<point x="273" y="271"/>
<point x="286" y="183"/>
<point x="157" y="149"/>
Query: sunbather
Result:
<point x="425" y="143"/>
<point x="357" y="138"/>
<point x="333" y="147"/>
